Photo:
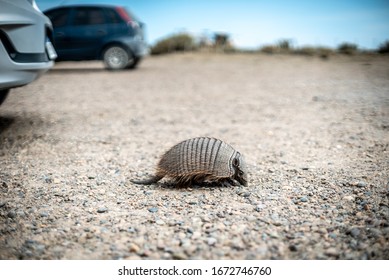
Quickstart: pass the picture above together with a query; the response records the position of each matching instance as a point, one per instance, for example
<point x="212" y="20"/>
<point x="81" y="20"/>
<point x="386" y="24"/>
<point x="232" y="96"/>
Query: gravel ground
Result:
<point x="314" y="133"/>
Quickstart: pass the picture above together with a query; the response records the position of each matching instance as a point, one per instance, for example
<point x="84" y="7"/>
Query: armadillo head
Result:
<point x="240" y="168"/>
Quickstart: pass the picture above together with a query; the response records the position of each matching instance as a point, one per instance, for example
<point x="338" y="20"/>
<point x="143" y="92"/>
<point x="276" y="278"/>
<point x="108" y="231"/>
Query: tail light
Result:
<point x="126" y="17"/>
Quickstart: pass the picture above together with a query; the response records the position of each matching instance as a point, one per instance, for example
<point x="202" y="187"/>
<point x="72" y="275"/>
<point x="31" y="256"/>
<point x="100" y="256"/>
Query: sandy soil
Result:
<point x="314" y="132"/>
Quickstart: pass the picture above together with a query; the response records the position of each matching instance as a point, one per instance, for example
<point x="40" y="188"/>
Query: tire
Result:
<point x="133" y="62"/>
<point x="3" y="95"/>
<point x="116" y="57"/>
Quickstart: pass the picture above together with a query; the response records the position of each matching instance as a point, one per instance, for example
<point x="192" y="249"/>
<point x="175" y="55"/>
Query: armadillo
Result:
<point x="199" y="160"/>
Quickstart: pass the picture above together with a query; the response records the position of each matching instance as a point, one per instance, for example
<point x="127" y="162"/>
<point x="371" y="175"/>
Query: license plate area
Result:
<point x="51" y="53"/>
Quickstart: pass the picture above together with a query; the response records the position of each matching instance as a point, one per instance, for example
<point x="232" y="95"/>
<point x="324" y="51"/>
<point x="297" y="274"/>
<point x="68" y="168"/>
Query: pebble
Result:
<point x="293" y="248"/>
<point x="348" y="198"/>
<point x="21" y="213"/>
<point x="211" y="241"/>
<point x="273" y="234"/>
<point x="196" y="235"/>
<point x="11" y="214"/>
<point x="332" y="235"/>
<point x="102" y="209"/>
<point x="153" y="209"/>
<point x="304" y="199"/>
<point x="260" y="207"/>
<point x="354" y="232"/>
<point x="332" y="252"/>
<point x="2" y="204"/>
<point x="133" y="248"/>
<point x="44" y="214"/>
<point x="361" y="184"/>
<point x="131" y="230"/>
<point x="179" y="256"/>
<point x="246" y="194"/>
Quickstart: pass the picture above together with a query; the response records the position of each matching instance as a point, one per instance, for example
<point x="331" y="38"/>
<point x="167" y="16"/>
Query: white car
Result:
<point x="26" y="51"/>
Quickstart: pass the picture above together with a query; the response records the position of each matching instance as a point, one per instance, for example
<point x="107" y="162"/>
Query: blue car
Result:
<point x="98" y="32"/>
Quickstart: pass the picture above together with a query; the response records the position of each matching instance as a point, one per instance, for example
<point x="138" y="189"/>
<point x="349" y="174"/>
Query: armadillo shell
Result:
<point x="200" y="156"/>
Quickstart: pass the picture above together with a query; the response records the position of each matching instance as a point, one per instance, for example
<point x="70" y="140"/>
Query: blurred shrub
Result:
<point x="322" y="52"/>
<point x="269" y="49"/>
<point x="285" y="45"/>
<point x="223" y="43"/>
<point x="347" y="48"/>
<point x="174" y="43"/>
<point x="384" y="47"/>
<point x="282" y="46"/>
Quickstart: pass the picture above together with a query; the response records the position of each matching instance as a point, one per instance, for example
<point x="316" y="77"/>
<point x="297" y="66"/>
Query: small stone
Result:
<point x="133" y="248"/>
<point x="43" y="214"/>
<point x="159" y="222"/>
<point x="293" y="248"/>
<point x="277" y="223"/>
<point x="273" y="234"/>
<point x="332" y="235"/>
<point x="354" y="232"/>
<point x="246" y="194"/>
<point x="361" y="184"/>
<point x="179" y="256"/>
<point x="102" y="210"/>
<point x="211" y="241"/>
<point x="56" y="181"/>
<point x="348" y="198"/>
<point x="2" y="204"/>
<point x="48" y="180"/>
<point x="21" y="213"/>
<point x="153" y="209"/>
<point x="332" y="252"/>
<point x="304" y="199"/>
<point x="196" y="235"/>
<point x="131" y="230"/>
<point x="259" y="207"/>
<point x="11" y="214"/>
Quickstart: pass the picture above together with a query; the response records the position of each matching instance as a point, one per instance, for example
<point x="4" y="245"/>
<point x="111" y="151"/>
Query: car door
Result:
<point x="87" y="32"/>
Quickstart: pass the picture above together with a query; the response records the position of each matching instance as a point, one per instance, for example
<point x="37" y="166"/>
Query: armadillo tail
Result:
<point x="148" y="181"/>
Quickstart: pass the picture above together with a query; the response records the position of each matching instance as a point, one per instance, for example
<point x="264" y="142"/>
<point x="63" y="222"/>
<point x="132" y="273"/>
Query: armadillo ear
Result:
<point x="235" y="162"/>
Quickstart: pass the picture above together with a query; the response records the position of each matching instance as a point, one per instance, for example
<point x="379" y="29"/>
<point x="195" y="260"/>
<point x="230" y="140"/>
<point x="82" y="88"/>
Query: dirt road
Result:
<point x="314" y="133"/>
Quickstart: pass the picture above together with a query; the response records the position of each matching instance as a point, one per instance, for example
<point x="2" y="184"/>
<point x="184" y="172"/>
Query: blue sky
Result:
<point x="254" y="23"/>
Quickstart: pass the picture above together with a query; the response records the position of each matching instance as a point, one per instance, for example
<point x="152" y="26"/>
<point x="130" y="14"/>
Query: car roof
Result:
<point x="83" y="6"/>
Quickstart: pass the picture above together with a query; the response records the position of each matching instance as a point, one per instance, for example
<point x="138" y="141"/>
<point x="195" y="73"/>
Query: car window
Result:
<point x="58" y="17"/>
<point x="88" y="16"/>
<point x="112" y="16"/>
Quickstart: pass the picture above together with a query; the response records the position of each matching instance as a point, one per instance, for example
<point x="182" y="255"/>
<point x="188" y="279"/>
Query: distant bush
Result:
<point x="285" y="45"/>
<point x="322" y="52"/>
<point x="269" y="49"/>
<point x="347" y="48"/>
<point x="174" y="43"/>
<point x="384" y="47"/>
<point x="282" y="46"/>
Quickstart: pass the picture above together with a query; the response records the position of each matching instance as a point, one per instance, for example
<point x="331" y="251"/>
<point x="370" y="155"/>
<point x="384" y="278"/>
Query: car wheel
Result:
<point x="115" y="58"/>
<point x="3" y="95"/>
<point x="133" y="62"/>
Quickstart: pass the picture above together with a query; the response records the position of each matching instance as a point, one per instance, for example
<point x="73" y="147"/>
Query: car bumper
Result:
<point x="137" y="46"/>
<point x="15" y="74"/>
<point x="25" y="51"/>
